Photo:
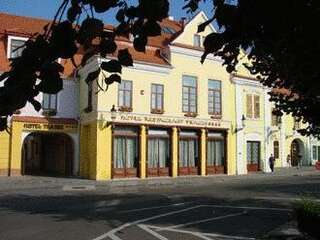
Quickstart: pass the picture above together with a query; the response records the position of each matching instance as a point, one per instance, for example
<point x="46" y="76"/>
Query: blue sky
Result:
<point x="47" y="8"/>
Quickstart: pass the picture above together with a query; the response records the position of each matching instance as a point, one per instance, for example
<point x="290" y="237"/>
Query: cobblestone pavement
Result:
<point x="218" y="207"/>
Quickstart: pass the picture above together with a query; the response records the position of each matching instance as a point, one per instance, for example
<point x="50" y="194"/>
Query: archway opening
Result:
<point x="48" y="154"/>
<point x="296" y="152"/>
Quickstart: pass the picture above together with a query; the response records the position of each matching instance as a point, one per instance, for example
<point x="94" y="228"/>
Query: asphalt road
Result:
<point x="232" y="208"/>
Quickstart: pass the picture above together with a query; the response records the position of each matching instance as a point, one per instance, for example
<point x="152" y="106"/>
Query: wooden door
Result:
<point x="158" y="163"/>
<point x="125" y="157"/>
<point x="188" y="156"/>
<point x="215" y="156"/>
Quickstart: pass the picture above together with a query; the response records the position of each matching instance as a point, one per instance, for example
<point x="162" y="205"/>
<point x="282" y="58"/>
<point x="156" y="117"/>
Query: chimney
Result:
<point x="183" y="21"/>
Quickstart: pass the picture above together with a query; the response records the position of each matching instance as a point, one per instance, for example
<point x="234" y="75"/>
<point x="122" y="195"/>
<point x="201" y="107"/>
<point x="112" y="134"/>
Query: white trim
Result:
<point x="10" y="38"/>
<point x="192" y="53"/>
<point x="247" y="82"/>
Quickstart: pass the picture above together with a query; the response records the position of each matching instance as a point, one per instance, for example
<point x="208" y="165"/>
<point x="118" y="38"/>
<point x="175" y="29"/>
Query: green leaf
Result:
<point x="113" y="78"/>
<point x="125" y="57"/>
<point x="93" y="76"/>
<point x="203" y="26"/>
<point x="112" y="66"/>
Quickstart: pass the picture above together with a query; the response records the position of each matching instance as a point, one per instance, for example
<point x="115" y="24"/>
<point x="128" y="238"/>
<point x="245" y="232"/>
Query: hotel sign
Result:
<point x="49" y="126"/>
<point x="171" y="121"/>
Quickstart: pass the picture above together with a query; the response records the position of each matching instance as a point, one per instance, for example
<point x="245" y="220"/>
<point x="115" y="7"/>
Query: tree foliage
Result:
<point x="279" y="37"/>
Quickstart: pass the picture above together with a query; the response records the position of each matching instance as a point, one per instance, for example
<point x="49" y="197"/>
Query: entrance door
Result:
<point x="158" y="156"/>
<point x="295" y="152"/>
<point x="253" y="156"/>
<point x="215" y="156"/>
<point x="188" y="157"/>
<point x="125" y="159"/>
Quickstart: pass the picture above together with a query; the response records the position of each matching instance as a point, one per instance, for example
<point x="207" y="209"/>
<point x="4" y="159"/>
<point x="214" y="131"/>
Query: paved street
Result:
<point x="219" y="207"/>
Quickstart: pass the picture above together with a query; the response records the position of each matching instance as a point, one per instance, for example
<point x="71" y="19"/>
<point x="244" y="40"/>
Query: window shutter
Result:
<point x="249" y="106"/>
<point x="256" y="106"/>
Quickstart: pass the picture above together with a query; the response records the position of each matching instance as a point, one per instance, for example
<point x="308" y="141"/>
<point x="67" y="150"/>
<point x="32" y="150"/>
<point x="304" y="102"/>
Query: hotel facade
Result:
<point x="170" y="116"/>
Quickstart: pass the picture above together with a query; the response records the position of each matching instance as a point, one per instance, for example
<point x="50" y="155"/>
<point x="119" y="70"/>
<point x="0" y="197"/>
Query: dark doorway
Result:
<point x="47" y="154"/>
<point x="295" y="152"/>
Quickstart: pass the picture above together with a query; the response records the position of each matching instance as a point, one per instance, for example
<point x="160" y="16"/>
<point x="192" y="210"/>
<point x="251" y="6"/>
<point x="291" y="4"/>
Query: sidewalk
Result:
<point x="32" y="182"/>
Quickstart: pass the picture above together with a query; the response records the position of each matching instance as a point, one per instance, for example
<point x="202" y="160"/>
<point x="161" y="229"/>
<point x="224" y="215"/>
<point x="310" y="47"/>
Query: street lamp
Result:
<point x="243" y="119"/>
<point x="279" y="121"/>
<point x="113" y="113"/>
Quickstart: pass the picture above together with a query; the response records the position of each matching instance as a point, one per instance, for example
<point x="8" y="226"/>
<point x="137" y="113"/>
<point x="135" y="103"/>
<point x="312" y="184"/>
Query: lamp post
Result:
<point x="279" y="122"/>
<point x="113" y="113"/>
<point x="243" y="119"/>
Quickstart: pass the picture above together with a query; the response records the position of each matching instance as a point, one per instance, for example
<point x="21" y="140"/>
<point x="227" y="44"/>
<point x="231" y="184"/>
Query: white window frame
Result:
<point x="10" y="38"/>
<point x="49" y="109"/>
<point x="253" y="107"/>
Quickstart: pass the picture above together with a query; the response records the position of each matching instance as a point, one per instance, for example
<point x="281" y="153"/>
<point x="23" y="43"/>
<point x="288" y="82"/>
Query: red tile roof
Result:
<point x="27" y="26"/>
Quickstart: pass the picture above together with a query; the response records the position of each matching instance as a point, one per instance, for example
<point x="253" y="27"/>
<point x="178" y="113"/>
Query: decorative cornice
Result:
<point x="192" y="53"/>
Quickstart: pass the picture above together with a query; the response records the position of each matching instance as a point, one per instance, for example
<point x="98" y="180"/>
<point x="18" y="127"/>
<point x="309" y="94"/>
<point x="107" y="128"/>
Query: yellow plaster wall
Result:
<point x="4" y="152"/>
<point x="192" y="28"/>
<point x="88" y="150"/>
<point x="104" y="150"/>
<point x="16" y="148"/>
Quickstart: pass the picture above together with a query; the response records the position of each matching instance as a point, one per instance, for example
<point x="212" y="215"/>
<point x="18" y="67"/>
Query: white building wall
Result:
<point x="67" y="102"/>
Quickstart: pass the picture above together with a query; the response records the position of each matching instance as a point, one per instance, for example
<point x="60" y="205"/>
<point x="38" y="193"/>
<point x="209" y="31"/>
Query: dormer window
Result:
<point x="15" y="46"/>
<point x="196" y="40"/>
<point x="168" y="30"/>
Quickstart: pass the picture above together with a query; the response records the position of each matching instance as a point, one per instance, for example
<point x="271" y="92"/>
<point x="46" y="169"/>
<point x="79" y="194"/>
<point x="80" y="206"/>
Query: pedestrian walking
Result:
<point x="299" y="161"/>
<point x="289" y="160"/>
<point x="271" y="162"/>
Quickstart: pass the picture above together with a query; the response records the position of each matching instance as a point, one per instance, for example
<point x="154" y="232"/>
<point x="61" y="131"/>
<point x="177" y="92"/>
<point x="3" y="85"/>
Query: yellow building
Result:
<point x="170" y="116"/>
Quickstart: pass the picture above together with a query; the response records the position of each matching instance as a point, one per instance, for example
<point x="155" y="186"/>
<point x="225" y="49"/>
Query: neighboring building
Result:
<point x="170" y="116"/>
<point x="45" y="141"/>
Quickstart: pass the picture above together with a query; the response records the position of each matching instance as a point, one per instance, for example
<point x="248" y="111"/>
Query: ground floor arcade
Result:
<point x="110" y="151"/>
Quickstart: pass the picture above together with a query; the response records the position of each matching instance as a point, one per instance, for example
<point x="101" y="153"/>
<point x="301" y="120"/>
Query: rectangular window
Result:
<point x="197" y="40"/>
<point x="125" y="152"/>
<point x="49" y="102"/>
<point x="314" y="153"/>
<point x="253" y="152"/>
<point x="274" y="119"/>
<point x="215" y="153"/>
<point x="256" y="106"/>
<point x="125" y="95"/>
<point x="296" y="123"/>
<point x="214" y="97"/>
<point x="189" y="94"/>
<point x="16" y="48"/>
<point x="276" y="149"/>
<point x="188" y="153"/>
<point x="158" y="153"/>
<point x="156" y="98"/>
<point x="253" y="106"/>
